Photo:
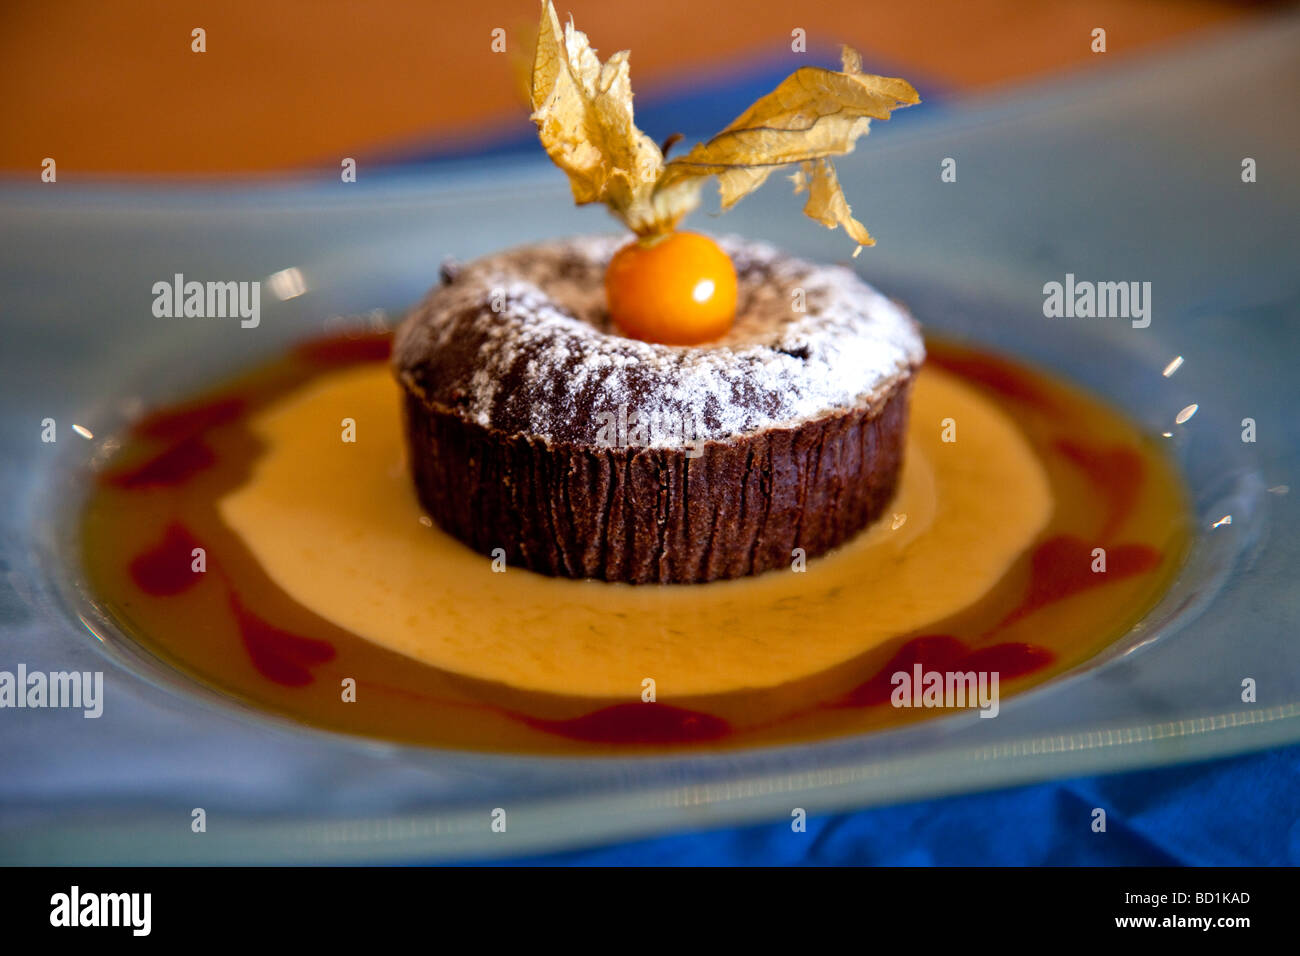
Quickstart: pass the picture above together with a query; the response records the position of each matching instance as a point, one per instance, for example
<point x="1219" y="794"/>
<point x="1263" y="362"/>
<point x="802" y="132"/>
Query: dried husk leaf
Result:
<point x="813" y="114"/>
<point x="826" y="202"/>
<point x="583" y="112"/>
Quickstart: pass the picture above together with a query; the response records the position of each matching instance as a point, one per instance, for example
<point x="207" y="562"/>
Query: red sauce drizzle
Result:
<point x="346" y="349"/>
<point x="942" y="652"/>
<point x="995" y="374"/>
<point x="167" y="568"/>
<point x="637" y="723"/>
<point x="1010" y="659"/>
<point x="1117" y="472"/>
<point x="280" y="655"/>
<point x="174" y="466"/>
<point x="189" y="420"/>
<point x="1062" y="567"/>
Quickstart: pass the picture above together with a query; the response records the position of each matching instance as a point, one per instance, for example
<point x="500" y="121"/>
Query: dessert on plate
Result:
<point x="734" y="494"/>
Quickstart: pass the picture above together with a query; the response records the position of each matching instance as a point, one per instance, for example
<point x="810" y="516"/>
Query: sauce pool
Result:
<point x="152" y="515"/>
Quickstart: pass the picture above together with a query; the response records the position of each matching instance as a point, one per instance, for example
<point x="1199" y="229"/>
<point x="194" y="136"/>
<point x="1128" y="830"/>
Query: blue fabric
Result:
<point x="1240" y="811"/>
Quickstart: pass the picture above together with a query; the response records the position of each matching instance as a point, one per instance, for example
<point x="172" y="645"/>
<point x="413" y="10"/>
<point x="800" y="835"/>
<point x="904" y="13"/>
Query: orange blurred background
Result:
<point x="114" y="88"/>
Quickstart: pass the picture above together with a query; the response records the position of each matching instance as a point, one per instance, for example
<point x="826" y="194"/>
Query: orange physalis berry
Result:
<point x="676" y="289"/>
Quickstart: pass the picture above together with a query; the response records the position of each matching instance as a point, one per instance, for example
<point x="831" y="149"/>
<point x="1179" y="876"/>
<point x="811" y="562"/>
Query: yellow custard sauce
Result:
<point x="318" y="570"/>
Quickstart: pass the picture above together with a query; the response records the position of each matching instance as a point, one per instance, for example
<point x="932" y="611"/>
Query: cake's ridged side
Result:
<point x="653" y="514"/>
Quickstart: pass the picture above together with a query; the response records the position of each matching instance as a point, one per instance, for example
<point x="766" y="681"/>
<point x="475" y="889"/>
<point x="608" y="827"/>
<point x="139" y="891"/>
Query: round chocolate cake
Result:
<point x="535" y="427"/>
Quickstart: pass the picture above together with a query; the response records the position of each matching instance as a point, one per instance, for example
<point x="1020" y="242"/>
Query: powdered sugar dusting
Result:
<point x="521" y="341"/>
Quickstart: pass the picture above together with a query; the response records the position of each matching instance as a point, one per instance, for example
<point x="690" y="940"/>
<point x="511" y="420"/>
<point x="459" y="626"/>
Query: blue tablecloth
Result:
<point x="1243" y="811"/>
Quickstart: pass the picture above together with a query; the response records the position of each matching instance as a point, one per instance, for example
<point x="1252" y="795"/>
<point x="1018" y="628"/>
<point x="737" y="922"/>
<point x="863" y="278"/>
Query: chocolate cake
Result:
<point x="535" y="427"/>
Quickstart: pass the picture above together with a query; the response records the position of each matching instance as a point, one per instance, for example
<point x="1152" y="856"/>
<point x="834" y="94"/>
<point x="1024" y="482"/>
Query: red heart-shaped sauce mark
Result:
<point x="168" y="567"/>
<point x="177" y="464"/>
<point x="1061" y="567"/>
<point x="943" y="653"/>
<point x="1117" y="472"/>
<point x="638" y="723"/>
<point x="280" y="655"/>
